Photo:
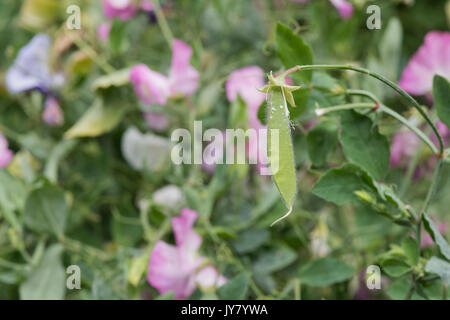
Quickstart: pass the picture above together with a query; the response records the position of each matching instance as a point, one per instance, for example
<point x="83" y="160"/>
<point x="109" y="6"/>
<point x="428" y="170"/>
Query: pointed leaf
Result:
<point x="441" y="95"/>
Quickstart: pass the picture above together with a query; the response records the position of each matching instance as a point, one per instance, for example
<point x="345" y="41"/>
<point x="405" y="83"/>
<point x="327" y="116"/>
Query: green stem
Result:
<point x="411" y="127"/>
<point x="162" y="22"/>
<point x="341" y="107"/>
<point x="381" y="78"/>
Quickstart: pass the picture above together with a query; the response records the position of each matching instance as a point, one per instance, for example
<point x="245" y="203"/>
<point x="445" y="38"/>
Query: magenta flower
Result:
<point x="344" y="7"/>
<point x="52" y="114"/>
<point x="155" y="88"/>
<point x="179" y="268"/>
<point x="5" y="154"/>
<point x="433" y="57"/>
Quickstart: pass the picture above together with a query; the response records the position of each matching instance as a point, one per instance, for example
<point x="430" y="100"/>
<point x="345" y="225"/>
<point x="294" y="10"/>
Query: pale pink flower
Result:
<point x="157" y="121"/>
<point x="403" y="146"/>
<point x="426" y="239"/>
<point x="147" y="5"/>
<point x="245" y="82"/>
<point x="52" y="114"/>
<point x="344" y="7"/>
<point x="178" y="268"/>
<point x="155" y="88"/>
<point x="103" y="31"/>
<point x="433" y="57"/>
<point x="209" y="278"/>
<point x="5" y="154"/>
<point x="122" y="9"/>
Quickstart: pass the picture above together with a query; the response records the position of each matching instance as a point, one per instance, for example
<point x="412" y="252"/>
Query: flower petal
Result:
<point x="150" y="86"/>
<point x="185" y="236"/>
<point x="183" y="77"/>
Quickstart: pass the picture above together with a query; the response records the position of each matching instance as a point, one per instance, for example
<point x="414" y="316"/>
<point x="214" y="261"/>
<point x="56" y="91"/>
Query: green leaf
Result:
<point x="236" y="288"/>
<point x="250" y="240"/>
<point x="238" y="114"/>
<point x="441" y="95"/>
<point x="262" y="113"/>
<point x="436" y="235"/>
<point x="274" y="260"/>
<point x="339" y="185"/>
<point x="395" y="268"/>
<point x="47" y="281"/>
<point x="293" y="51"/>
<point x="280" y="149"/>
<point x="117" y="37"/>
<point x="364" y="145"/>
<point x="115" y="79"/>
<point x="322" y="141"/>
<point x="411" y="249"/>
<point x="96" y="121"/>
<point x="324" y="272"/>
<point x="12" y="197"/>
<point x="390" y="48"/>
<point x="439" y="267"/>
<point x="46" y="210"/>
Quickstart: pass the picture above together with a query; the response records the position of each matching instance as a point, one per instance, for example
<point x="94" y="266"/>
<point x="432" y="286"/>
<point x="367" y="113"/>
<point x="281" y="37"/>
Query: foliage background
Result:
<point x="112" y="225"/>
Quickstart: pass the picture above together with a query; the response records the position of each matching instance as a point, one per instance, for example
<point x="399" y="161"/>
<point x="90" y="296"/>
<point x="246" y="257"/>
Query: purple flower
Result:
<point x="433" y="57"/>
<point x="52" y="114"/>
<point x="30" y="69"/>
<point x="179" y="268"/>
<point x="5" y="154"/>
<point x="404" y="145"/>
<point x="155" y="88"/>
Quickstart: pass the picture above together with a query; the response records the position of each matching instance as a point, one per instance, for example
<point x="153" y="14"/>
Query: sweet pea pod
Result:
<point x="280" y="149"/>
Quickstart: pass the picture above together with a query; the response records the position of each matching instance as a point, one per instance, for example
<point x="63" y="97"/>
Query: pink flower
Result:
<point x="178" y="268"/>
<point x="155" y="88"/>
<point x="344" y="7"/>
<point x="52" y="114"/>
<point x="103" y="31"/>
<point x="426" y="239"/>
<point x="404" y="145"/>
<point x="245" y="82"/>
<point x="156" y="120"/>
<point x="433" y="57"/>
<point x="5" y="154"/>
<point x="122" y="9"/>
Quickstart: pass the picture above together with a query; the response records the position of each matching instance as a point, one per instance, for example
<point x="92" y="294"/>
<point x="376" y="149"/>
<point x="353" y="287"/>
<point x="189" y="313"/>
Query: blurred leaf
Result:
<point x="115" y="79"/>
<point x="12" y="197"/>
<point x="411" y="248"/>
<point x="46" y="210"/>
<point x="324" y="272"/>
<point x="97" y="120"/>
<point x="436" y="235"/>
<point x="250" y="240"/>
<point x="48" y="280"/>
<point x="39" y="14"/>
<point x="322" y="141"/>
<point x="390" y="48"/>
<point x="364" y="145"/>
<point x="274" y="260"/>
<point x="236" y="288"/>
<point x="118" y="40"/>
<point x="439" y="267"/>
<point x="58" y="152"/>
<point x="441" y="95"/>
